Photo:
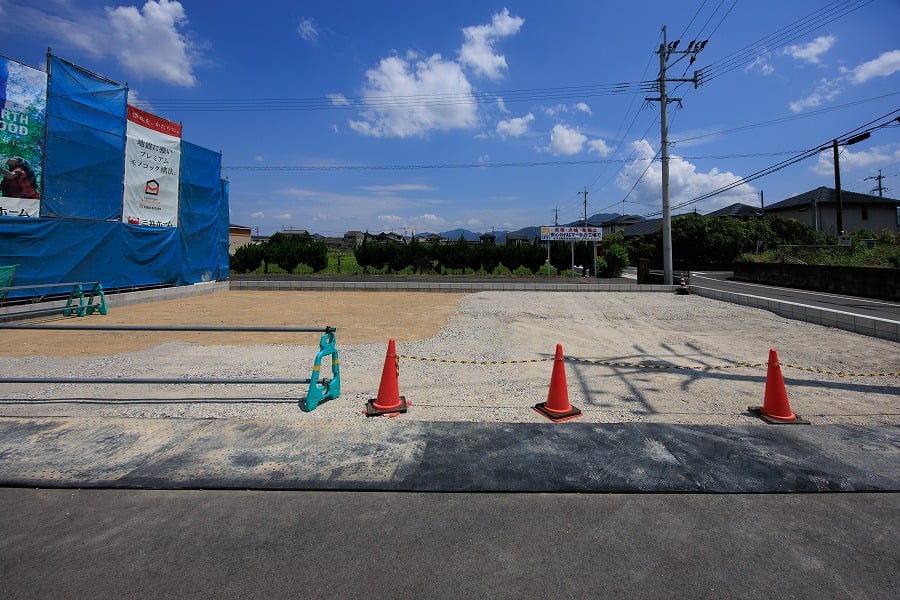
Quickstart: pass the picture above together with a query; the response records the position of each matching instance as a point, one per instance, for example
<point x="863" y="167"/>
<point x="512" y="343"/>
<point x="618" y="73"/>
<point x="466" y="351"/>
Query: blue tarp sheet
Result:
<point x="84" y="160"/>
<point x="79" y="236"/>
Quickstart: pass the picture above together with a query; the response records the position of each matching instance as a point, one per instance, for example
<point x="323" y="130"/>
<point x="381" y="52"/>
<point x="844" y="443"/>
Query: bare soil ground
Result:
<point x="359" y="317"/>
<point x="464" y="357"/>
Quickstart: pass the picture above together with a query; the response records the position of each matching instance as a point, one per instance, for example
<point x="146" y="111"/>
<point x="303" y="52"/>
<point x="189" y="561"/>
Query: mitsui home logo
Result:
<point x="151" y="188"/>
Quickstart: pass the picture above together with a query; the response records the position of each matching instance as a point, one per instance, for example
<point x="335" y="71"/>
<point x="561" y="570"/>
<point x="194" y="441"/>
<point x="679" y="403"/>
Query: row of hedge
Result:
<point x="288" y="251"/>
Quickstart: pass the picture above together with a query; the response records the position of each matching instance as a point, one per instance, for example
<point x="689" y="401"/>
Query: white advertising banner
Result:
<point x="571" y="234"/>
<point x="152" y="157"/>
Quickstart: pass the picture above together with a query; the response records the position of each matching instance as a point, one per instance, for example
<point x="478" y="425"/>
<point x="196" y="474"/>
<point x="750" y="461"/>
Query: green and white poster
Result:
<point x="23" y="116"/>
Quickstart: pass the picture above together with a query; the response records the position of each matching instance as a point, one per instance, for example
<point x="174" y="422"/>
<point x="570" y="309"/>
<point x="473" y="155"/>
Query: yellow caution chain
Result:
<point x="639" y="365"/>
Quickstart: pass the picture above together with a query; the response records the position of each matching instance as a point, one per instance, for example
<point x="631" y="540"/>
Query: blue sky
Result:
<point x="416" y="116"/>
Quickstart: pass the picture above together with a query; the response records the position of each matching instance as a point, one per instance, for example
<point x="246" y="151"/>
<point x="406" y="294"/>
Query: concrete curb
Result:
<point x="869" y="326"/>
<point x="303" y="454"/>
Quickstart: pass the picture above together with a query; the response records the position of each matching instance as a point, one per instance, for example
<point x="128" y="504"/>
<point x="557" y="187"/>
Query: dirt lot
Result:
<point x="359" y="317"/>
<point x="464" y="357"/>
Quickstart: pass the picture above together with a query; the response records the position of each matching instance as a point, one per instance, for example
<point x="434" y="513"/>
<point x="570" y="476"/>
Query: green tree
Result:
<point x="247" y="258"/>
<point x="613" y="255"/>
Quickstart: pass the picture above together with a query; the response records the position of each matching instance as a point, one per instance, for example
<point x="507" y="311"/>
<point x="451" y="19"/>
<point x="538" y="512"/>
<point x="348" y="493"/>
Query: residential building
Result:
<point x="818" y="208"/>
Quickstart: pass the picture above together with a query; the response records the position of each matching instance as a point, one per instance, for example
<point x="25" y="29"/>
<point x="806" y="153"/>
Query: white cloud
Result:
<point x="826" y="91"/>
<point x="284" y="217"/>
<point x="515" y="127"/>
<point x="388" y="88"/>
<point x="761" y="65"/>
<point x="502" y="105"/>
<point x="135" y="99"/>
<point x="397" y="187"/>
<point x="600" y="147"/>
<point x="685" y="182"/>
<point x="477" y="51"/>
<point x="307" y="29"/>
<point x="258" y="215"/>
<point x="428" y="221"/>
<point x="388" y="115"/>
<point x="883" y="66"/>
<point x="259" y="158"/>
<point x="565" y="141"/>
<point x="552" y="111"/>
<point x="148" y="42"/>
<point x="338" y="99"/>
<point x="857" y="160"/>
<point x="812" y="51"/>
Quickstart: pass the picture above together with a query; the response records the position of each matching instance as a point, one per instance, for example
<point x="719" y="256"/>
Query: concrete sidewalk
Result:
<point x="395" y="455"/>
<point x="326" y="509"/>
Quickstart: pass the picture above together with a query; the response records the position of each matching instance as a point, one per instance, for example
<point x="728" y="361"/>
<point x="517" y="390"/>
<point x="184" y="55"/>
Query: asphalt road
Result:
<point x="881" y="309"/>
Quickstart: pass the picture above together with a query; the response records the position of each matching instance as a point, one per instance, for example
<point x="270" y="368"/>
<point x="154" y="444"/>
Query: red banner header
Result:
<point x="145" y="119"/>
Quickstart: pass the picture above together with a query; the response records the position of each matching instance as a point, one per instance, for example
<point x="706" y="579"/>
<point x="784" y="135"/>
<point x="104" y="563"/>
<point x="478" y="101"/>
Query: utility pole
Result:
<point x="762" y="208"/>
<point x="666" y="50"/>
<point x="585" y="192"/>
<point x="879" y="188"/>
<point x="837" y="176"/>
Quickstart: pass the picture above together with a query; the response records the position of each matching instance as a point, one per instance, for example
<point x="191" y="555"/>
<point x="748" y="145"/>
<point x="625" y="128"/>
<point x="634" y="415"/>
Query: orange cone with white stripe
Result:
<point x="389" y="401"/>
<point x="557" y="407"/>
<point x="776" y="409"/>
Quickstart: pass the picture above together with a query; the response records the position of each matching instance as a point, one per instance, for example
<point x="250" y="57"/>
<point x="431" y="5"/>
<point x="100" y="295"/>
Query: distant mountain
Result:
<point x="594" y="220"/>
<point x="454" y="234"/>
<point x="531" y="232"/>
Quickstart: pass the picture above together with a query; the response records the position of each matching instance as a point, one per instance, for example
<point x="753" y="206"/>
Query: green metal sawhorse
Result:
<point x="89" y="307"/>
<point x="326" y="389"/>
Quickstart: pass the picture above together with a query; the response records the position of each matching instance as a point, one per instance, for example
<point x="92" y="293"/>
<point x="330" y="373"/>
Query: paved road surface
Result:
<point x="881" y="309"/>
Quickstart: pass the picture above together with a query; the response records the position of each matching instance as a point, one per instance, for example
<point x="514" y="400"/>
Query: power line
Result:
<point x="866" y="128"/>
<point x="388" y="101"/>
<point x="791" y="32"/>
<point x="786" y="119"/>
<point x="493" y="165"/>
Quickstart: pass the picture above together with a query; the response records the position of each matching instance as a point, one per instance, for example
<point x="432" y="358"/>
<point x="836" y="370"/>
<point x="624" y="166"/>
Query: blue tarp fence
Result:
<point x="80" y="235"/>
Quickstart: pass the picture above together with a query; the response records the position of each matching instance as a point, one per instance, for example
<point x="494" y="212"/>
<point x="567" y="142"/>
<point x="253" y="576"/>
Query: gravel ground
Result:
<point x="622" y="351"/>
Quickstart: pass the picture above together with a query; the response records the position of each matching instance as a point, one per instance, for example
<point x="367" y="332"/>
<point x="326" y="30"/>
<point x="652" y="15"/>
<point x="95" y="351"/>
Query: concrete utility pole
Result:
<point x="666" y="50"/>
<point x="879" y="188"/>
<point x="585" y="192"/>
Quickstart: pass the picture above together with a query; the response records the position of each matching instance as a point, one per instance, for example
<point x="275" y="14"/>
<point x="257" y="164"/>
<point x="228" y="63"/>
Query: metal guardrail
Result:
<point x="76" y="304"/>
<point x="319" y="390"/>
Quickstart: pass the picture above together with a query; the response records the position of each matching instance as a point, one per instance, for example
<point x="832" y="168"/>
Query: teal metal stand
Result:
<point x="76" y="295"/>
<point x="83" y="308"/>
<point x="326" y="389"/>
<point x="100" y="307"/>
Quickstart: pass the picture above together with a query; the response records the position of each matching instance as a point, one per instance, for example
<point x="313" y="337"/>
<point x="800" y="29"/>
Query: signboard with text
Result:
<point x="571" y="234"/>
<point x="152" y="158"/>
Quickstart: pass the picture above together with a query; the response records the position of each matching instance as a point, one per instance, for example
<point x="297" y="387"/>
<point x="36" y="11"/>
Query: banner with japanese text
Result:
<point x="152" y="159"/>
<point x="23" y="114"/>
<point x="571" y="234"/>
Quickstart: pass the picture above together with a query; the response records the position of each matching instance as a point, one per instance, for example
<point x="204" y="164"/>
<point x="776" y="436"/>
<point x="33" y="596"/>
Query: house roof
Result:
<point x="735" y="210"/>
<point x="826" y="195"/>
<point x="623" y="220"/>
<point x="648" y="227"/>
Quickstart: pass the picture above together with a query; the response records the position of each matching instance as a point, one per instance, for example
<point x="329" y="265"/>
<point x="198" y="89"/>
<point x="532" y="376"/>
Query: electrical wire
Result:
<point x="375" y="102"/>
<point x="843" y="139"/>
<point x="780" y="38"/>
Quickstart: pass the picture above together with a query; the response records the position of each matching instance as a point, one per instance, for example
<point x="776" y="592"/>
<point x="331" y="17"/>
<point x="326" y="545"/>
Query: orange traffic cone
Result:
<point x="683" y="288"/>
<point x="389" y="401"/>
<point x="776" y="409"/>
<point x="557" y="407"/>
